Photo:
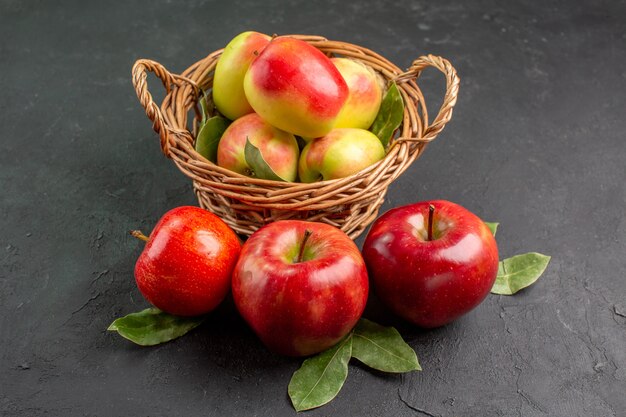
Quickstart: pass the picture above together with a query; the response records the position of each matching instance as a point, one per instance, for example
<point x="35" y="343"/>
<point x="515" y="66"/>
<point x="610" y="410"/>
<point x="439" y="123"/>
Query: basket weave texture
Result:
<point x="245" y="203"/>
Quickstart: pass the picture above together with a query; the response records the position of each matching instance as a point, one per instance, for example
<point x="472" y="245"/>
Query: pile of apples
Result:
<point x="281" y="91"/>
<point x="302" y="286"/>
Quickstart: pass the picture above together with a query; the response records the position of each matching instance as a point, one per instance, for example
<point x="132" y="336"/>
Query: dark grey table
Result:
<point x="537" y="143"/>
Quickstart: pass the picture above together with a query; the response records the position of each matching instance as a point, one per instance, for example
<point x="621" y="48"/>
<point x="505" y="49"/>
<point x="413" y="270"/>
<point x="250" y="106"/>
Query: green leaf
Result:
<point x="382" y="348"/>
<point x="519" y="272"/>
<point x="493" y="227"/>
<point x="257" y="164"/>
<point x="209" y="137"/>
<point x="389" y="116"/>
<point x="321" y="377"/>
<point x="204" y="106"/>
<point x="153" y="326"/>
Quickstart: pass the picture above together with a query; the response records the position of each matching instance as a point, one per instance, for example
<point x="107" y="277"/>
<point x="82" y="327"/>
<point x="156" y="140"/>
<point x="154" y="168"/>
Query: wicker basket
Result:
<point x="246" y="203"/>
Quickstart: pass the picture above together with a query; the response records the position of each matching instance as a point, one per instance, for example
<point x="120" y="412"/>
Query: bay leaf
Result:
<point x="320" y="377"/>
<point x="493" y="227"/>
<point x="204" y="107"/>
<point x="519" y="272"/>
<point x="152" y="326"/>
<point x="389" y="116"/>
<point x="257" y="163"/>
<point x="209" y="137"/>
<point x="382" y="348"/>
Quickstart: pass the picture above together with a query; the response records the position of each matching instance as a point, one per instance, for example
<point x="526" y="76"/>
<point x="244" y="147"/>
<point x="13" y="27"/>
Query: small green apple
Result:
<point x="342" y="152"/>
<point x="228" y="94"/>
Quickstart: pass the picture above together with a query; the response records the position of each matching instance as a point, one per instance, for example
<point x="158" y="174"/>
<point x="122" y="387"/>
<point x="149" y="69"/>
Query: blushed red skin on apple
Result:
<point x="278" y="148"/>
<point x="431" y="283"/>
<point x="295" y="87"/>
<point x="185" y="267"/>
<point x="317" y="80"/>
<point x="299" y="309"/>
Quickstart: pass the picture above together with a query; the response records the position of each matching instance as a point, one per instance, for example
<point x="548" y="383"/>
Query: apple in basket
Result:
<point x="301" y="286"/>
<point x="431" y="262"/>
<point x="278" y="148"/>
<point x="365" y="93"/>
<point x="228" y="94"/>
<point x="295" y="87"/>
<point x="340" y="153"/>
<point x="186" y="265"/>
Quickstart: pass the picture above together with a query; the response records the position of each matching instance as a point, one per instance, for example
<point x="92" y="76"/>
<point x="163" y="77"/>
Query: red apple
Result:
<point x="301" y="286"/>
<point x="295" y="87"/>
<point x="431" y="278"/>
<point x="186" y="265"/>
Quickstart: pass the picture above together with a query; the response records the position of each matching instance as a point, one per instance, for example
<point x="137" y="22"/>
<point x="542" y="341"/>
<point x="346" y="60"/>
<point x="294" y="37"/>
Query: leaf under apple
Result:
<point x="321" y="377"/>
<point x="152" y="326"/>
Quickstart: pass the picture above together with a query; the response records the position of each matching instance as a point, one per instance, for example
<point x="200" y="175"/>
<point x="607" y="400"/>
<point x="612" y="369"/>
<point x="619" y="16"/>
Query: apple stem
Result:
<point x="307" y="233"/>
<point x="431" y="215"/>
<point x="139" y="235"/>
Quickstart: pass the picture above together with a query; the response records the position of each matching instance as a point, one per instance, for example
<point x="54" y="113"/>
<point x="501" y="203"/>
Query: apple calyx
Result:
<point x="307" y="234"/>
<point x="139" y="235"/>
<point x="431" y="216"/>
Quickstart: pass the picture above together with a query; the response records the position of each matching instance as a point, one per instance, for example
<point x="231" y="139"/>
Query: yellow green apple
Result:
<point x="295" y="87"/>
<point x="278" y="148"/>
<point x="228" y="94"/>
<point x="342" y="152"/>
<point x="365" y="88"/>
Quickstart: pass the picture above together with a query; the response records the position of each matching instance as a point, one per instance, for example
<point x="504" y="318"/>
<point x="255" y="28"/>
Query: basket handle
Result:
<point x="154" y="113"/>
<point x="449" y="98"/>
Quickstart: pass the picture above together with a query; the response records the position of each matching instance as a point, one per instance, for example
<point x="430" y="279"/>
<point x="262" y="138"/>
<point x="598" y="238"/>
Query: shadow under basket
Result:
<point x="247" y="204"/>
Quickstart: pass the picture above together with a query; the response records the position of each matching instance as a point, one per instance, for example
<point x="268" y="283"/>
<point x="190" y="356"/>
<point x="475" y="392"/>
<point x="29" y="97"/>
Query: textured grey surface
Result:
<point x="536" y="143"/>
